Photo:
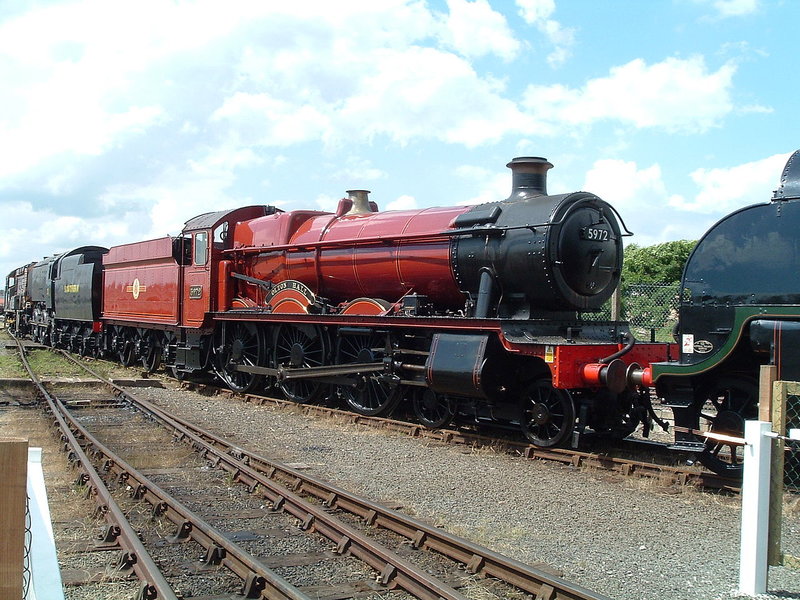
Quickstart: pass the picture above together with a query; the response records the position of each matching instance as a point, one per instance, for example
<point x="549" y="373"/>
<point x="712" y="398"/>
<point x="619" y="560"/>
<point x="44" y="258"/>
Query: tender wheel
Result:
<point x="433" y="410"/>
<point x="152" y="351"/>
<point x="127" y="351"/>
<point x="239" y="344"/>
<point x="726" y="404"/>
<point x="86" y="343"/>
<point x="369" y="395"/>
<point x="298" y="346"/>
<point x="548" y="414"/>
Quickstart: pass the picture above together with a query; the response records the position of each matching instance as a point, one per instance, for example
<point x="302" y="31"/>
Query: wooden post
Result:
<point x="767" y="376"/>
<point x="13" y="474"/>
<point x="616" y="303"/>
<point x="781" y="390"/>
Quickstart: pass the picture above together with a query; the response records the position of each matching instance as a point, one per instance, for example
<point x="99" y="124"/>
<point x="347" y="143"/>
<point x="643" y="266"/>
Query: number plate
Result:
<point x="595" y="234"/>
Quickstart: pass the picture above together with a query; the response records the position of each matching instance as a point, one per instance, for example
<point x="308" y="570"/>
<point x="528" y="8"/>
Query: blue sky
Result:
<point x="121" y="120"/>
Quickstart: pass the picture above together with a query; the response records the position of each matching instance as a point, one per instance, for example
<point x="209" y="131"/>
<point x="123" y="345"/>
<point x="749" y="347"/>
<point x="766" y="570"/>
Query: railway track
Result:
<point x="347" y="522"/>
<point x="620" y="458"/>
<point x="605" y="461"/>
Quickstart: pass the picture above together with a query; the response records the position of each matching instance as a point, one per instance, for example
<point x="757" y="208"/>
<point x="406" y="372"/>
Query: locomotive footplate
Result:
<point x="548" y="332"/>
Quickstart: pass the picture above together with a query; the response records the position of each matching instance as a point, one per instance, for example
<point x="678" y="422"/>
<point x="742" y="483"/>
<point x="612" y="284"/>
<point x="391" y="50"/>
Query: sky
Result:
<point x="119" y="121"/>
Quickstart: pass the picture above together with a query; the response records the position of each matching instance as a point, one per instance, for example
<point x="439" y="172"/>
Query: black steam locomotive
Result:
<point x="740" y="308"/>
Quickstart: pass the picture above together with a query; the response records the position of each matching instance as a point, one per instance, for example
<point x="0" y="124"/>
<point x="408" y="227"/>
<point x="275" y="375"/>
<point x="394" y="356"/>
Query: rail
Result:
<point x="259" y="472"/>
<point x="133" y="554"/>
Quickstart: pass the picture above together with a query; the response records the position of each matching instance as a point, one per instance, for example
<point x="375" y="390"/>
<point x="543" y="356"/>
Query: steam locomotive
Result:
<point x="478" y="311"/>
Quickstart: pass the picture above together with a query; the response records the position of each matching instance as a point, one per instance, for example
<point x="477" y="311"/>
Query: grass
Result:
<point x="10" y="366"/>
<point x="50" y="364"/>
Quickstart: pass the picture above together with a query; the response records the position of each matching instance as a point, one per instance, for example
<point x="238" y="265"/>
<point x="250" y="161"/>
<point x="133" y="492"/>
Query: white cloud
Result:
<point x="75" y="65"/>
<point x="538" y="13"/>
<point x="267" y="121"/>
<point x="490" y="185"/>
<point x="642" y="199"/>
<point x="626" y="186"/>
<point x="474" y="29"/>
<point x="412" y="93"/>
<point x="404" y="202"/>
<point x="327" y="203"/>
<point x="357" y="170"/>
<point x="732" y="8"/>
<point x="55" y="233"/>
<point x="678" y="95"/>
<point x="725" y="189"/>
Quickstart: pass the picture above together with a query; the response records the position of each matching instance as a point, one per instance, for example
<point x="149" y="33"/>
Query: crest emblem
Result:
<point x="136" y="289"/>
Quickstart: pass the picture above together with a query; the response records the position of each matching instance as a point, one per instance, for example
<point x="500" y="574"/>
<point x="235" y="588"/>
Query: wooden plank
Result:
<point x="767" y="377"/>
<point x="13" y="474"/>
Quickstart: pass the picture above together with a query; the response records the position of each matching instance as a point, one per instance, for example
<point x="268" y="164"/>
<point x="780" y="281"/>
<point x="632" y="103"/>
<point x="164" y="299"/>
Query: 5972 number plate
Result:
<point x="595" y="234"/>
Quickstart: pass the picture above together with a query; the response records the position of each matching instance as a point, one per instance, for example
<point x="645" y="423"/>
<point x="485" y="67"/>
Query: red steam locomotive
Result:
<point x="472" y="310"/>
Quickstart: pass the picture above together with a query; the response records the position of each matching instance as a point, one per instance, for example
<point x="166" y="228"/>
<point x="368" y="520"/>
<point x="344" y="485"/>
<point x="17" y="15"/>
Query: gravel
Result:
<point x="626" y="538"/>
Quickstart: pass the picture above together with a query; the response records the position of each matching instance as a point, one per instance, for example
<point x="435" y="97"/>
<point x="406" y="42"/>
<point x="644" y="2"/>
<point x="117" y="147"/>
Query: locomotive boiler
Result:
<point x="530" y="254"/>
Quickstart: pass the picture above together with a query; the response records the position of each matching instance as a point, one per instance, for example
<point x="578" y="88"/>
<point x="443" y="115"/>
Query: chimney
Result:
<point x="529" y="177"/>
<point x="360" y="199"/>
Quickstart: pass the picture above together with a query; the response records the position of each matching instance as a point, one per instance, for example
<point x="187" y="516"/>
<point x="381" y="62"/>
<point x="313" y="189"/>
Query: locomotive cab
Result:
<point x="205" y="274"/>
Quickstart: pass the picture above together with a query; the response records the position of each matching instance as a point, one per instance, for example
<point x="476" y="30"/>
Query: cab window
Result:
<point x="200" y="248"/>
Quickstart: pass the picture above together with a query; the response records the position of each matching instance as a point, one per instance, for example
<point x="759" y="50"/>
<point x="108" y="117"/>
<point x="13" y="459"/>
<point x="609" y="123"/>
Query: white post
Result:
<point x="755" y="509"/>
<point x="45" y="575"/>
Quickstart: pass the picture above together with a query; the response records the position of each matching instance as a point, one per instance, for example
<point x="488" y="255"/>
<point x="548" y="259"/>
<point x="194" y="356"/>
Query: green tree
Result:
<point x="661" y="263"/>
<point x="650" y="294"/>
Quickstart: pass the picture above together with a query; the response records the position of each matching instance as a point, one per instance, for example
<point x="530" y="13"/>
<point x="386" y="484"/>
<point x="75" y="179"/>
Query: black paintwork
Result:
<point x="77" y="284"/>
<point x="540" y="253"/>
<point x="750" y="258"/>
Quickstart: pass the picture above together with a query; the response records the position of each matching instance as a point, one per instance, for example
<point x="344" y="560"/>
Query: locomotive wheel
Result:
<point x="548" y="414"/>
<point x="298" y="346"/>
<point x="86" y="345"/>
<point x="127" y="354"/>
<point x="726" y="404"/>
<point x="371" y="395"/>
<point x="433" y="410"/>
<point x="239" y="344"/>
<point x="151" y="357"/>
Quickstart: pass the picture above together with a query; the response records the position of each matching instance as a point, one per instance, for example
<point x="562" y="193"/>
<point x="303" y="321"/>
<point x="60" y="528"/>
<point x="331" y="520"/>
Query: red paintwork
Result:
<point x="365" y="306"/>
<point x="570" y="359"/>
<point x="568" y="362"/>
<point x="196" y="307"/>
<point x="155" y="299"/>
<point x="375" y="255"/>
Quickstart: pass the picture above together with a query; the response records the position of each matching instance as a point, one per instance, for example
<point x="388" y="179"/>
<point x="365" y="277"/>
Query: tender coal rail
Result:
<point x="284" y="488"/>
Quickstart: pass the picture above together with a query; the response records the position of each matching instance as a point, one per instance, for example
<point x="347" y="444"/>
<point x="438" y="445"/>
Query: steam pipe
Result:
<point x="484" y="294"/>
<point x="631" y="342"/>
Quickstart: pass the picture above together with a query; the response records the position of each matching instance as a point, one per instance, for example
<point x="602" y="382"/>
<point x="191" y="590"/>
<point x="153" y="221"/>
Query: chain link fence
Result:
<point x="790" y="526"/>
<point x="651" y="309"/>
<point x="785" y="487"/>
<point x="792" y="456"/>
